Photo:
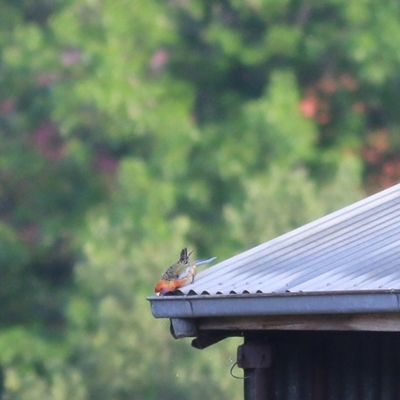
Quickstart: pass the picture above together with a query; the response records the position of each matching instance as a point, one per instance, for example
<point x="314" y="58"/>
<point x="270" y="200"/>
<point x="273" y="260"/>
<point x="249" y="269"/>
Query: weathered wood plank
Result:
<point x="349" y="322"/>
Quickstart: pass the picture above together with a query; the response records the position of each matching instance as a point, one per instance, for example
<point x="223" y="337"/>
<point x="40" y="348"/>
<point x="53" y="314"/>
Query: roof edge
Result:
<point x="275" y="304"/>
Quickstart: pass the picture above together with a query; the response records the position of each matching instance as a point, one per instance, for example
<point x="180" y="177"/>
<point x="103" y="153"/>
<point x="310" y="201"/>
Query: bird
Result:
<point x="179" y="273"/>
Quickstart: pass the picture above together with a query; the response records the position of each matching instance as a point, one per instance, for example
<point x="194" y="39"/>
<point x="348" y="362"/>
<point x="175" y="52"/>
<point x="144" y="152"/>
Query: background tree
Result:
<point x="129" y="130"/>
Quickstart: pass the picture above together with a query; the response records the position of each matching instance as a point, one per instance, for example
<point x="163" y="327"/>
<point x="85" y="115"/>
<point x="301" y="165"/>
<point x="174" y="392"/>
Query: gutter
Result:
<point x="195" y="306"/>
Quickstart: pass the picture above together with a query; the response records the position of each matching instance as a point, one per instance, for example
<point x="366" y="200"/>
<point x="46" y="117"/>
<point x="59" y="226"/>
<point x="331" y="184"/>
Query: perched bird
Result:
<point x="179" y="273"/>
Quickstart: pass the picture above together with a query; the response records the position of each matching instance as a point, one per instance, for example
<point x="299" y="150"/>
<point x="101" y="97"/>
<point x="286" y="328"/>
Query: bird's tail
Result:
<point x="202" y="262"/>
<point x="184" y="257"/>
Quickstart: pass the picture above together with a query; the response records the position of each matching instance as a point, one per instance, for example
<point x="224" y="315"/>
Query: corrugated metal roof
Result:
<point x="354" y="249"/>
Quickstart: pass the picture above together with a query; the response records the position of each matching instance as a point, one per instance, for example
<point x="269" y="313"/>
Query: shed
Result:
<point x="318" y="307"/>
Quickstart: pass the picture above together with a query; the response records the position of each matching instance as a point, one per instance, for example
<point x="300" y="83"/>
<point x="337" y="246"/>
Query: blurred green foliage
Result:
<point x="129" y="130"/>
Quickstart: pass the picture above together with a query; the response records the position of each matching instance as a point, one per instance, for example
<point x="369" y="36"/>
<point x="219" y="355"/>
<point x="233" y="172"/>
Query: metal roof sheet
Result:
<point x="354" y="249"/>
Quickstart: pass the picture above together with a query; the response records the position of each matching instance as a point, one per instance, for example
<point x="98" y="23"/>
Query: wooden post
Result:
<point x="255" y="358"/>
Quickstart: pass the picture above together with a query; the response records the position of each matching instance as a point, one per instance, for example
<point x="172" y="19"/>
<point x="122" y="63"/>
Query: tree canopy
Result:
<point x="129" y="130"/>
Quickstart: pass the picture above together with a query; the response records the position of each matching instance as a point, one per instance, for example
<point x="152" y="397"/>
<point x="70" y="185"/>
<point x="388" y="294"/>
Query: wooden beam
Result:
<point x="337" y="322"/>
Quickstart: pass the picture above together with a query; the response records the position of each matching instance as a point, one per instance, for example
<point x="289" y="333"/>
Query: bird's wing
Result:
<point x="201" y="262"/>
<point x="183" y="271"/>
<point x="177" y="271"/>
